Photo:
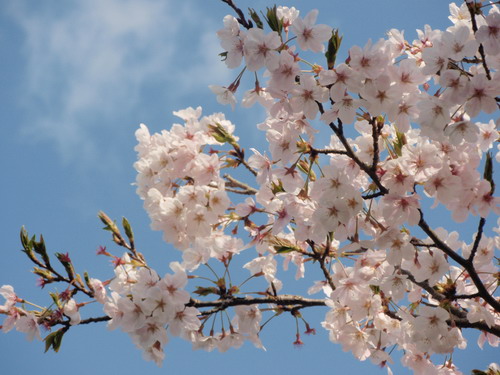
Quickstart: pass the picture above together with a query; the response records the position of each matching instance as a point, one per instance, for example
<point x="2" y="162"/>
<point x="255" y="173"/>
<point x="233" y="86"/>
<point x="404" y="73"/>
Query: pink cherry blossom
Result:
<point x="71" y="310"/>
<point x="305" y="96"/>
<point x="28" y="324"/>
<point x="311" y="36"/>
<point x="369" y="61"/>
<point x="247" y="319"/>
<point x="7" y="291"/>
<point x="231" y="39"/>
<point x="489" y="34"/>
<point x="401" y="208"/>
<point x="259" y="49"/>
<point x="482" y="93"/>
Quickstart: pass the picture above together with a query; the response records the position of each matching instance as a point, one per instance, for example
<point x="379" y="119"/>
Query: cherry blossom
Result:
<point x="28" y="324"/>
<point x="309" y="35"/>
<point x="489" y="34"/>
<point x="232" y="42"/>
<point x="71" y="310"/>
<point x="259" y="49"/>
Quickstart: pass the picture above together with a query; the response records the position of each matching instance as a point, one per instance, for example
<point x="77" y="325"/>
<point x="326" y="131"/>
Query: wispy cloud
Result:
<point x="88" y="60"/>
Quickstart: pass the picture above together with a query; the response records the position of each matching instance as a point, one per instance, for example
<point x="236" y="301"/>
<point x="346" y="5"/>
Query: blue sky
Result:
<point x="77" y="78"/>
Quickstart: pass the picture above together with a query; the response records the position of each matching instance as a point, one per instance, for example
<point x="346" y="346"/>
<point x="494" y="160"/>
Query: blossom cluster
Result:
<point x="23" y="319"/>
<point x="412" y="106"/>
<point x="423" y="139"/>
<point x="17" y="317"/>
<point x="408" y="130"/>
<point x="143" y="305"/>
<point x="182" y="188"/>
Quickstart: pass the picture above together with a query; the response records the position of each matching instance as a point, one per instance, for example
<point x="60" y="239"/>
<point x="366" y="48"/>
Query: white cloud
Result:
<point x="88" y="60"/>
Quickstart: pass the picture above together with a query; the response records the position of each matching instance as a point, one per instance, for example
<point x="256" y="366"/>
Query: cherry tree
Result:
<point x="409" y="128"/>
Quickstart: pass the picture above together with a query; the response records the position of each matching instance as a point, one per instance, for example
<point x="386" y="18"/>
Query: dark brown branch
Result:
<point x="459" y="316"/>
<point x="368" y="170"/>
<point x="464" y="323"/>
<point x="95" y="320"/>
<point x="472" y="11"/>
<point x="434" y="293"/>
<point x="437" y="241"/>
<point x="293" y="303"/>
<point x="466" y="296"/>
<point x="373" y="195"/>
<point x="375" y="135"/>
<point x="349" y="152"/>
<point x="62" y="279"/>
<point x="327" y="151"/>
<point x="239" y="154"/>
<point x="326" y="273"/>
<point x="415" y="242"/>
<point x="466" y="264"/>
<point x="67" y="323"/>
<point x="483" y="292"/>
<point x="284" y="302"/>
<point x="241" y="17"/>
<point x="474" y="60"/>
<point x="479" y="234"/>
<point x="91" y="320"/>
<point x="321" y="260"/>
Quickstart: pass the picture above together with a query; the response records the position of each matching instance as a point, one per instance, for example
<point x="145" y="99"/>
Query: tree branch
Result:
<point x="291" y="302"/>
<point x="373" y="195"/>
<point x="247" y="166"/>
<point x="471" y="7"/>
<point x="466" y="264"/>
<point x="458" y="313"/>
<point x="327" y="151"/>
<point x="375" y="135"/>
<point x="464" y="323"/>
<point x="285" y="302"/>
<point x="460" y="316"/>
<point x="241" y="17"/>
<point x="479" y="234"/>
<point x="368" y="170"/>
<point x="232" y="182"/>
<point x="321" y="260"/>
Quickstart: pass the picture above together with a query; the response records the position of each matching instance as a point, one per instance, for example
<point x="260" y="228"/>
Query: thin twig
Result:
<point x="328" y="151"/>
<point x="466" y="296"/>
<point x="236" y="191"/>
<point x="368" y="170"/>
<point x="479" y="235"/>
<point x="234" y="183"/>
<point x="373" y="195"/>
<point x="470" y="7"/>
<point x="459" y="318"/>
<point x="247" y="166"/>
<point x="241" y="17"/>
<point x="321" y="260"/>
